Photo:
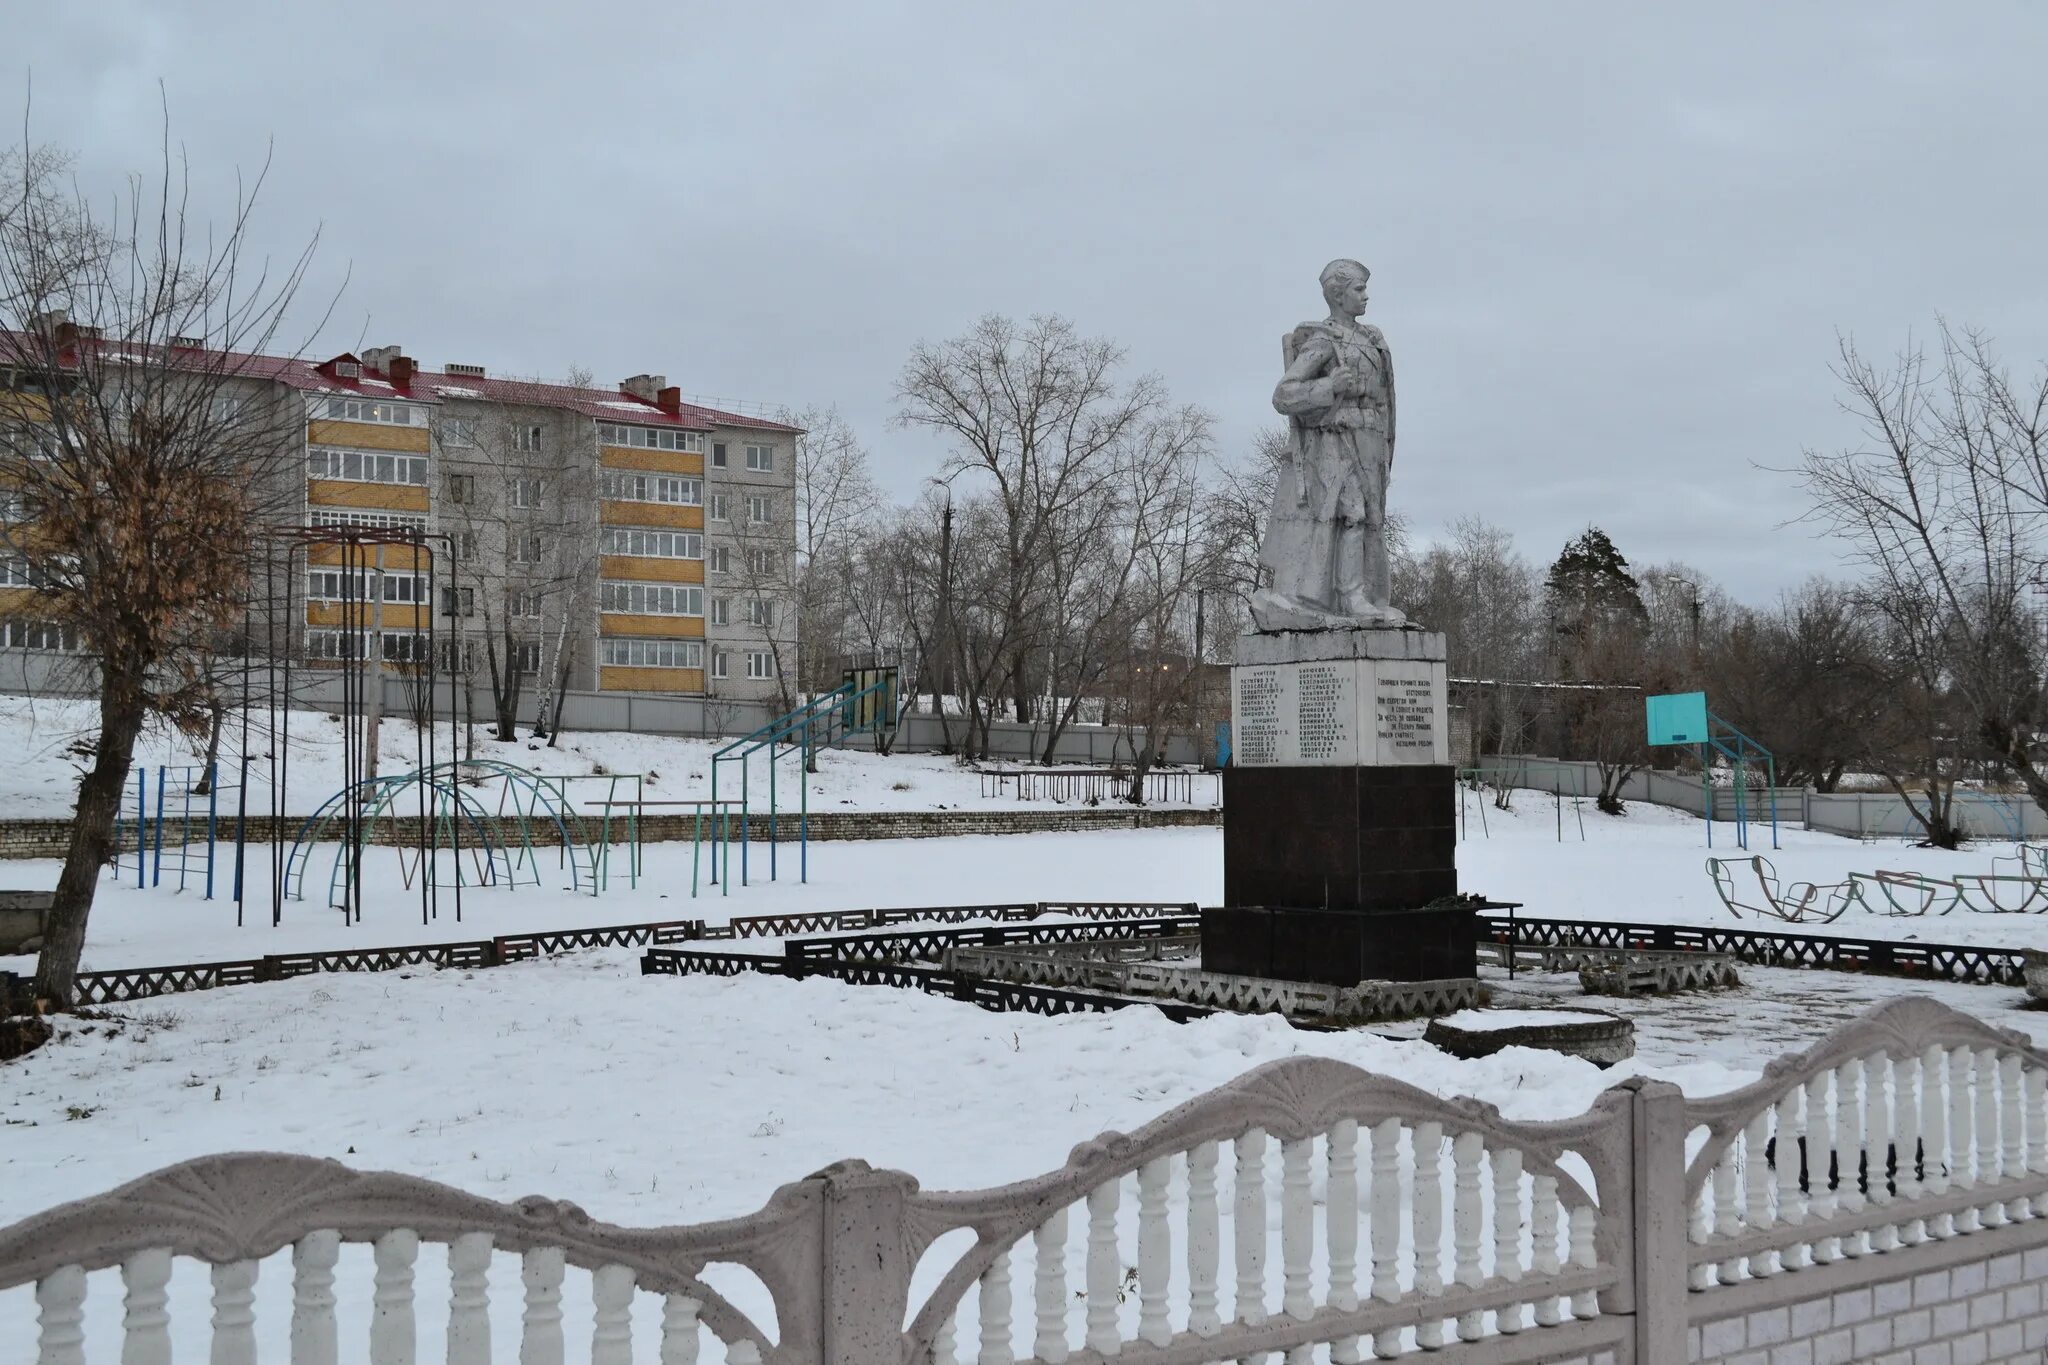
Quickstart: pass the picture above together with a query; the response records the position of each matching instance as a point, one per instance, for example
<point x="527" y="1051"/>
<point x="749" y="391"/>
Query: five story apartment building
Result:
<point x="623" y="539"/>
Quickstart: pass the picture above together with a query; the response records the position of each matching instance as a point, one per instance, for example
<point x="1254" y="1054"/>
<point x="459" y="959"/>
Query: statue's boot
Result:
<point x="1355" y="596"/>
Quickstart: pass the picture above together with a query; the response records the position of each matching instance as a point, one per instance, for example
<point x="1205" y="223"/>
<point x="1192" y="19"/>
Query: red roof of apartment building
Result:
<point x="405" y="381"/>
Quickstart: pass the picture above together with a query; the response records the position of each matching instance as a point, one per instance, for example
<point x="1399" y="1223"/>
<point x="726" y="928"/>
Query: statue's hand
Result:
<point x="1349" y="382"/>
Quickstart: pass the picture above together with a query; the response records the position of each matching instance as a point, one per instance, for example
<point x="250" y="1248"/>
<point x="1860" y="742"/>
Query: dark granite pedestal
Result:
<point x="1341" y="947"/>
<point x="1340" y="838"/>
<point x="1329" y="874"/>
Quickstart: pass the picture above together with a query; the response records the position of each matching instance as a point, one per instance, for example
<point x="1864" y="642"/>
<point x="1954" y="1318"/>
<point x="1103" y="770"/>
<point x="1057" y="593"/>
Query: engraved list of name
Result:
<point x="1325" y="704"/>
<point x="1407" y="715"/>
<point x="1257" y="738"/>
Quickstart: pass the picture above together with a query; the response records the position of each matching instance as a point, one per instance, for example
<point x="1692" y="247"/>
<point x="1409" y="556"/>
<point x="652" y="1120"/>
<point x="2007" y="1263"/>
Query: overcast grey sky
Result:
<point x="1612" y="244"/>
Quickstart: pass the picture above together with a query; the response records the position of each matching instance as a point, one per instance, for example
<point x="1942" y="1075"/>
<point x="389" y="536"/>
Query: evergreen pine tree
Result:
<point x="1590" y="581"/>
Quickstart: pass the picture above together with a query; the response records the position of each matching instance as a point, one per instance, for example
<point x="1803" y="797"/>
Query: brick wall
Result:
<point x="1982" y="1310"/>
<point x="49" y="838"/>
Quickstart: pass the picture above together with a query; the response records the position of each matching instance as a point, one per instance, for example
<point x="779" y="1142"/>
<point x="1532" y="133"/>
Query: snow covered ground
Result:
<point x="651" y="1100"/>
<point x="41" y="776"/>
<point x="656" y="1100"/>
<point x="1647" y="866"/>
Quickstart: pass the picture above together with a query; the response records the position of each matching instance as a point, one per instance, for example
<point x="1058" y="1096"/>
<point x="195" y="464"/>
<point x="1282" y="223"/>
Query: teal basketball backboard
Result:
<point x="1677" y="718"/>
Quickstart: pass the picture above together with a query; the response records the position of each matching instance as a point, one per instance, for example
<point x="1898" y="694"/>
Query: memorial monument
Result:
<point x="1339" y="805"/>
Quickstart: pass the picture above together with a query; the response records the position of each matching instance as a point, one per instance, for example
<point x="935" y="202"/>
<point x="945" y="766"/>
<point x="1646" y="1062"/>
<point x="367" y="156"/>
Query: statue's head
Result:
<point x="1344" y="287"/>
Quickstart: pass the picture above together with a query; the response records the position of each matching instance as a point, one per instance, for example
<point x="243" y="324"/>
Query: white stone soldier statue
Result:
<point x="1324" y="559"/>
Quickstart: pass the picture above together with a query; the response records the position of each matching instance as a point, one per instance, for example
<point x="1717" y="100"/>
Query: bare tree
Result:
<point x="1175" y="563"/>
<point x="145" y="452"/>
<point x="1238" y="507"/>
<point x="836" y="514"/>
<point x="1034" y="415"/>
<point x="521" y="484"/>
<point x="1131" y="558"/>
<point x="902" y="597"/>
<point x="1943" y="502"/>
<point x="1809" y="680"/>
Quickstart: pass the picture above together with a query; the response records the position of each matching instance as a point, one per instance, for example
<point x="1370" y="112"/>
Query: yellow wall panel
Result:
<point x="615" y="679"/>
<point x="26" y="602"/>
<point x="384" y="497"/>
<point x="648" y="570"/>
<point x="19" y="406"/>
<point x="28" y="537"/>
<point x="664" y="627"/>
<point x="368" y="436"/>
<point x="661" y="461"/>
<point x="365" y="556"/>
<point x="397" y="615"/>
<point x="667" y="515"/>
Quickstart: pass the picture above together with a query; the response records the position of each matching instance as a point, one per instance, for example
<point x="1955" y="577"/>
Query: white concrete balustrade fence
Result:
<point x="1881" y="1195"/>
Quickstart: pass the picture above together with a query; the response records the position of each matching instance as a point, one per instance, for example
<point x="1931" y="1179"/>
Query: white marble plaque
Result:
<point x="1326" y="712"/>
<point x="1257" y="739"/>
<point x="1407" y="704"/>
<point x="1338" y="712"/>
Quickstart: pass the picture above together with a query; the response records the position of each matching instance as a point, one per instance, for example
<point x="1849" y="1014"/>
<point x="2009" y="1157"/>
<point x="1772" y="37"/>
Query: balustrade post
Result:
<point x="1659" y="1219"/>
<point x="866" y="1266"/>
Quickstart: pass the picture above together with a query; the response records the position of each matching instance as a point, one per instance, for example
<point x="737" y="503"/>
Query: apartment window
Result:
<point x="721" y="612"/>
<point x="458" y="431"/>
<point x="461" y="487"/>
<point x="718" y="454"/>
<point x="758" y="509"/>
<point x="632" y="540"/>
<point x="760" y="663"/>
<point x="760" y="611"/>
<point x="407" y="648"/>
<point x="225" y="408"/>
<point x="363" y="585"/>
<point x="458" y="601"/>
<point x="650" y="438"/>
<point x="718" y="559"/>
<point x="525" y="603"/>
<point x="761" y="459"/>
<point x="524" y="656"/>
<point x="382" y="521"/>
<point x="638" y="653"/>
<point x="19" y="573"/>
<point x="760" y="563"/>
<point x="719" y="664"/>
<point x="448" y="657"/>
<point x="375" y="410"/>
<point x="651" y="599"/>
<point x="465" y="545"/>
<point x="529" y="548"/>
<point x="526" y="493"/>
<point x="53" y="636"/>
<point x="335" y="644"/>
<point x="720" y="508"/>
<point x="668" y="488"/>
<point x="396" y="647"/>
<point x="13" y="505"/>
<point x="49" y="444"/>
<point x="366" y="466"/>
<point x="527" y="438"/>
